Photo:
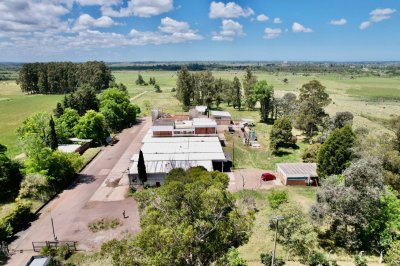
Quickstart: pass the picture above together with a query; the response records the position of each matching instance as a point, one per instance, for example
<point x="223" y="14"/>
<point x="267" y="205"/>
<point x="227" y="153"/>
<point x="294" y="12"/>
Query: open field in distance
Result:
<point x="371" y="97"/>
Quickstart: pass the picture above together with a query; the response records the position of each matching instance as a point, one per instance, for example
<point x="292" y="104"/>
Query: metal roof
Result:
<point x="201" y="108"/>
<point x="204" y="122"/>
<point x="162" y="128"/>
<point x="68" y="148"/>
<point x="220" y="113"/>
<point x="298" y="169"/>
<point x="154" y="167"/>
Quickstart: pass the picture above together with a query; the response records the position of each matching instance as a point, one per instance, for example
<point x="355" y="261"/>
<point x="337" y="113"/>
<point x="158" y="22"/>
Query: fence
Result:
<point x="72" y="245"/>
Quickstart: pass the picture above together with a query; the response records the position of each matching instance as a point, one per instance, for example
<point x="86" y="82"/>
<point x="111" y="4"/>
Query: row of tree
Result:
<point x="63" y="77"/>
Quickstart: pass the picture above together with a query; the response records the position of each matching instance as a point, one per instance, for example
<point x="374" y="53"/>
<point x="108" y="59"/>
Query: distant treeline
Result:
<point x="356" y="69"/>
<point x="63" y="77"/>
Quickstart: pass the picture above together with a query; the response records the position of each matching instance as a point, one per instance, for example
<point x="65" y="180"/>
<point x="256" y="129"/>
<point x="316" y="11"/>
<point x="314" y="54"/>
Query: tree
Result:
<point x="92" y="126"/>
<point x="348" y="205"/>
<point x="152" y="81"/>
<point x="310" y="154"/>
<point x="117" y="109"/>
<point x="157" y="88"/>
<point x="188" y="221"/>
<point x="281" y="134"/>
<point x="184" y="86"/>
<point x="264" y="93"/>
<point x="391" y="166"/>
<point x="288" y="104"/>
<point x="82" y="100"/>
<point x="342" y="118"/>
<point x="237" y="93"/>
<point x="65" y="125"/>
<point x="266" y="259"/>
<point x="313" y="98"/>
<point x="34" y="132"/>
<point x="141" y="167"/>
<point x="249" y="81"/>
<point x="228" y="91"/>
<point x="59" y="110"/>
<point x="10" y="176"/>
<point x="336" y="152"/>
<point x="295" y="231"/>
<point x="53" y="142"/>
<point x="139" y="80"/>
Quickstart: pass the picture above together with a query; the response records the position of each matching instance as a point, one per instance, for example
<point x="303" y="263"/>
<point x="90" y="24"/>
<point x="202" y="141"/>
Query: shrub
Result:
<point x="310" y="154"/>
<point x="393" y="254"/>
<point x="15" y="220"/>
<point x="104" y="224"/>
<point x="231" y="258"/>
<point x="34" y="186"/>
<point x="276" y="197"/>
<point x="360" y="260"/>
<point x="316" y="259"/>
<point x="266" y="259"/>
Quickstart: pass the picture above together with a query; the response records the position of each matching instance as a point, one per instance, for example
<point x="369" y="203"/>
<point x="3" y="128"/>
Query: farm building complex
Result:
<point x="179" y="144"/>
<point x="297" y="173"/>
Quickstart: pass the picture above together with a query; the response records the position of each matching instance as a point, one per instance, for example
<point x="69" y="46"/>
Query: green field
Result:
<point x="373" y="97"/>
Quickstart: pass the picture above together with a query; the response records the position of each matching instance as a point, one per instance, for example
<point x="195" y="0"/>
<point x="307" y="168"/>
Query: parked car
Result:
<point x="268" y="177"/>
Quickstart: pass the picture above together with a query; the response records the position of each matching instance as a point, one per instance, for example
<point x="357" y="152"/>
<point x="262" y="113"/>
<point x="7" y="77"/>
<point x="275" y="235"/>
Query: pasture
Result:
<point x="368" y="98"/>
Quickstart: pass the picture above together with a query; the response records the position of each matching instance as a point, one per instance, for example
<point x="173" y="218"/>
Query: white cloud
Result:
<point x="25" y="17"/>
<point x="377" y="15"/>
<point x="338" y="22"/>
<point x="380" y="14"/>
<point x="262" y="17"/>
<point x="271" y="33"/>
<point x="98" y="2"/>
<point x="229" y="30"/>
<point x="229" y="10"/>
<point x="170" y="25"/>
<point x="140" y="8"/>
<point x="365" y="25"/>
<point x="85" y="21"/>
<point x="277" y="21"/>
<point x="297" y="27"/>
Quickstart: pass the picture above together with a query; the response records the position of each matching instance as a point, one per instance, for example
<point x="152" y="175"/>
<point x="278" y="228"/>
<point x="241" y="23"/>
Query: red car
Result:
<point x="268" y="177"/>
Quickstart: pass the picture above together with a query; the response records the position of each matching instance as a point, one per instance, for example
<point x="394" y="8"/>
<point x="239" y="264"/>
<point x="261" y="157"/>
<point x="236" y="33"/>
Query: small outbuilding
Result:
<point x="201" y="109"/>
<point x="298" y="174"/>
<point x="221" y="117"/>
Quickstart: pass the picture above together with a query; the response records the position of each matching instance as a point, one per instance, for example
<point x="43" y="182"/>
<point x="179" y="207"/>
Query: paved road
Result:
<point x="72" y="210"/>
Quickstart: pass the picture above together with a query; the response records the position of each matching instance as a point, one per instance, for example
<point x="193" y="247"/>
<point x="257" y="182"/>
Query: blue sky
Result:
<point x="179" y="30"/>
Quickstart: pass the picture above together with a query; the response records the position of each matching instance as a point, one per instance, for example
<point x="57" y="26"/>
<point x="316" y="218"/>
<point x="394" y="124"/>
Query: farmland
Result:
<point x="368" y="98"/>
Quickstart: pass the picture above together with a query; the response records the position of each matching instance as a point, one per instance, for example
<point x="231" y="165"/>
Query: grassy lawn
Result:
<point x="89" y="155"/>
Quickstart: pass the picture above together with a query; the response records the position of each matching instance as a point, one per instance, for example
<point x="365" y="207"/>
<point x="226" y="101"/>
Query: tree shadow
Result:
<point x="281" y="153"/>
<point x="81" y="179"/>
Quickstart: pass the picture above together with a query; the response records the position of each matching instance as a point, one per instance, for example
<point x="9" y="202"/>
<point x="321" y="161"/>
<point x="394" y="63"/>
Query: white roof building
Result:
<point x="220" y="113"/>
<point x="162" y="154"/>
<point x="201" y="108"/>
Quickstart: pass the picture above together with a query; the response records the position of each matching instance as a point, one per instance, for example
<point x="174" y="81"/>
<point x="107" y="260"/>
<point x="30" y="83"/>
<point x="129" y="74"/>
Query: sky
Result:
<point x="199" y="30"/>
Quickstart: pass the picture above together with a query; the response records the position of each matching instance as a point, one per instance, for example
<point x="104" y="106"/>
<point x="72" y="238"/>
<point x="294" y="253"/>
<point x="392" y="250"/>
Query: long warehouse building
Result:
<point x="162" y="154"/>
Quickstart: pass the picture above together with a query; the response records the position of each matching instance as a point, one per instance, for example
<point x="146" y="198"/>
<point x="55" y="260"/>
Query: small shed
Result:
<point x="221" y="117"/>
<point x="38" y="261"/>
<point x="299" y="174"/>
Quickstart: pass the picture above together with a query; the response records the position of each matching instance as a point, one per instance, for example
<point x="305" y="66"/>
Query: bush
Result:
<point x="393" y="254"/>
<point x="310" y="154"/>
<point x="34" y="186"/>
<point x="276" y="197"/>
<point x="360" y="260"/>
<point x="316" y="259"/>
<point x="104" y="224"/>
<point x="231" y="258"/>
<point x="15" y="220"/>
<point x="266" y="259"/>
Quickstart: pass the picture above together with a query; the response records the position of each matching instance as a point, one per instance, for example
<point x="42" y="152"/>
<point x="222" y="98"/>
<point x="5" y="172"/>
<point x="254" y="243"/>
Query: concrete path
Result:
<point x="139" y="95"/>
<point x="73" y="209"/>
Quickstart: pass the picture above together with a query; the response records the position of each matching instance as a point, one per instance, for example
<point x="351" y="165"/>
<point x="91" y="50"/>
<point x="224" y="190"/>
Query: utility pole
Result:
<point x="276" y="219"/>
<point x="52" y="226"/>
<point x="233" y="152"/>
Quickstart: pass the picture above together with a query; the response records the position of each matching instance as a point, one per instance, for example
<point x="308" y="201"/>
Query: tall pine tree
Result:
<point x="53" y="141"/>
<point x="141" y="168"/>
